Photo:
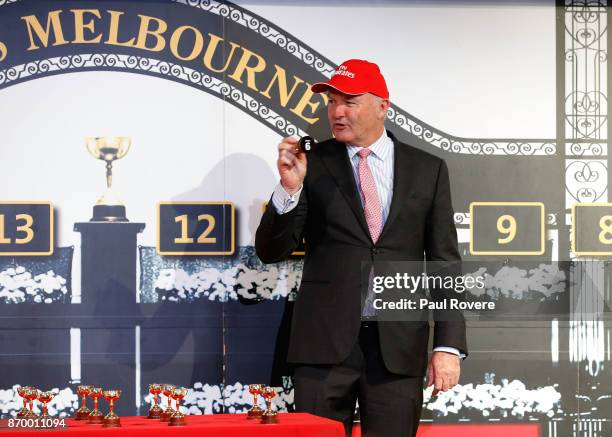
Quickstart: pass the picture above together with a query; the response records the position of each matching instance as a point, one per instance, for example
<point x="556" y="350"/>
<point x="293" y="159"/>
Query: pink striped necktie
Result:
<point x="371" y="201"/>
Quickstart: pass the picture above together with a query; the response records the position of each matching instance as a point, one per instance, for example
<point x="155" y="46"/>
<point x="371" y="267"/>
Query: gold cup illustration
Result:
<point x="269" y="415"/>
<point x="45" y="397"/>
<point x="31" y="394"/>
<point x="169" y="411"/>
<point x="109" y="149"/>
<point x="155" y="411"/>
<point x="83" y="412"/>
<point x="96" y="415"/>
<point x="178" y="418"/>
<point x="111" y="420"/>
<point x="256" y="411"/>
<point x="21" y="391"/>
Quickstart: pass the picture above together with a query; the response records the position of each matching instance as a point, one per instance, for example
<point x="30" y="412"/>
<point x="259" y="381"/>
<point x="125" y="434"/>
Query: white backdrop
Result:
<point x="474" y="71"/>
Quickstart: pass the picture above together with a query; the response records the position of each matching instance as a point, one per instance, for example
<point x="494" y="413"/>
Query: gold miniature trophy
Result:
<point x="111" y="420"/>
<point x="45" y="397"/>
<point x="24" y="410"/>
<point x="83" y="412"/>
<point x="108" y="149"/>
<point x="255" y="411"/>
<point x="31" y="394"/>
<point x="96" y="415"/>
<point x="155" y="411"/>
<point x="178" y="418"/>
<point x="270" y="415"/>
<point x="167" y="390"/>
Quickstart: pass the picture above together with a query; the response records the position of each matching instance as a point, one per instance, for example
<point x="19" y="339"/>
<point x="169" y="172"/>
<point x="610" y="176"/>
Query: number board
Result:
<point x="507" y="228"/>
<point x="195" y="228"/>
<point x="592" y="229"/>
<point x="26" y="228"/>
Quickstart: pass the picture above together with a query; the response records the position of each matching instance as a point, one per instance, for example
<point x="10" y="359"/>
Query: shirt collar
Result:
<point x="380" y="148"/>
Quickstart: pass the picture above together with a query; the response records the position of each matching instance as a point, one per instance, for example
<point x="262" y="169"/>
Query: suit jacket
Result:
<point x="329" y="215"/>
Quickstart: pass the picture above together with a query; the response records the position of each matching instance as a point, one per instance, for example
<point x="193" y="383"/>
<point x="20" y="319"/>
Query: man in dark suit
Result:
<point x="361" y="197"/>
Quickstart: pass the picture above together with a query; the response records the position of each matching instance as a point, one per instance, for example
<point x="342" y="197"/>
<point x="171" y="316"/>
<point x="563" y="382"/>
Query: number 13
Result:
<point x="26" y="228"/>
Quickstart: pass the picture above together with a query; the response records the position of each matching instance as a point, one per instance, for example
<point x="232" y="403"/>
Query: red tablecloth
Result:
<point x="226" y="425"/>
<point x="474" y="430"/>
<point x="480" y="430"/>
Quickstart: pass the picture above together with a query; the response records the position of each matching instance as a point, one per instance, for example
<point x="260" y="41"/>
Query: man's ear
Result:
<point x="384" y="106"/>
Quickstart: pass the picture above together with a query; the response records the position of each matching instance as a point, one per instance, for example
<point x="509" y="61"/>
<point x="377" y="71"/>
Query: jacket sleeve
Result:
<point x="279" y="234"/>
<point x="442" y="252"/>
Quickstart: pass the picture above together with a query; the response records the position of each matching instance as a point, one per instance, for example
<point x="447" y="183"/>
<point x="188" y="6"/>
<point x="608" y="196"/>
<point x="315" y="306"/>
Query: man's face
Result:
<point x="358" y="120"/>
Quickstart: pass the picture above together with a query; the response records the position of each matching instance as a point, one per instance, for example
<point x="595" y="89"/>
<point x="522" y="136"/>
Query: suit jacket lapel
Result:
<point x="403" y="175"/>
<point x="337" y="162"/>
<point x="398" y="184"/>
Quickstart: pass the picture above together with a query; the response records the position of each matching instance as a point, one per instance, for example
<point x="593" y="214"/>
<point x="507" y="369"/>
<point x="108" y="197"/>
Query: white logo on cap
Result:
<point x="342" y="71"/>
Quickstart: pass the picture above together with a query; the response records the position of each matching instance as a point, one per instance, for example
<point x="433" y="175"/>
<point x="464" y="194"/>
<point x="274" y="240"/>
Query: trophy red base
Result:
<point x="111" y="422"/>
<point x="269" y="418"/>
<point x="82" y="415"/>
<point x="96" y="419"/>
<point x="165" y="416"/>
<point x="177" y="421"/>
<point x="155" y="414"/>
<point x="254" y="414"/>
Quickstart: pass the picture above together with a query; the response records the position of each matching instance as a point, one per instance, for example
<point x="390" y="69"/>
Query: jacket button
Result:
<point x="376" y="251"/>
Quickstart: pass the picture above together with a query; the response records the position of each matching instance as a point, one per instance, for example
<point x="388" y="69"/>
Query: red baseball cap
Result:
<point x="355" y="77"/>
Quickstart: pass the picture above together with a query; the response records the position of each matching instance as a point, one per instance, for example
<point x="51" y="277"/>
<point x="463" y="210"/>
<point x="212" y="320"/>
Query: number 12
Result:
<point x="203" y="238"/>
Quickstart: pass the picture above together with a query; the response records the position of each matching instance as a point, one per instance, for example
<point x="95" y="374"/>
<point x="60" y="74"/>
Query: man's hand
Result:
<point x="443" y="371"/>
<point x="291" y="164"/>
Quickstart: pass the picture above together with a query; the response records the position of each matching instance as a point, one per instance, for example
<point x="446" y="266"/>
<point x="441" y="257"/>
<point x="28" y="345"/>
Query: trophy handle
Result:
<point x="124" y="146"/>
<point x="92" y="145"/>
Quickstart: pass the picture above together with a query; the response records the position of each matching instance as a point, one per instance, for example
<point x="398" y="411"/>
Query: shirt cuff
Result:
<point x="284" y="202"/>
<point x="450" y="350"/>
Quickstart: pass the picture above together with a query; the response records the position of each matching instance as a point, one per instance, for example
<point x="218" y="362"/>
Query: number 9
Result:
<point x="506" y="224"/>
